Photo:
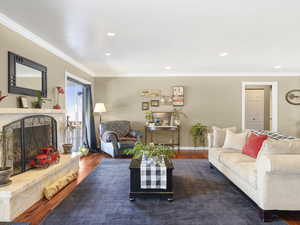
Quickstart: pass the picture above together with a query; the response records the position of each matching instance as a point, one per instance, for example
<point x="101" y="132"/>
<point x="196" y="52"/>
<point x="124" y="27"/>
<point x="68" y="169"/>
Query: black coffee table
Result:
<point x="135" y="182"/>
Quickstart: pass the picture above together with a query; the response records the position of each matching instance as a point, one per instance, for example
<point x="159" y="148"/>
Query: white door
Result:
<point x="254" y="109"/>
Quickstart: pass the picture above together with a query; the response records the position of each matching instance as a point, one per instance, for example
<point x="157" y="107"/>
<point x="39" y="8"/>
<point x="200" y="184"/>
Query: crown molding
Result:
<point x="244" y="74"/>
<point x="12" y="25"/>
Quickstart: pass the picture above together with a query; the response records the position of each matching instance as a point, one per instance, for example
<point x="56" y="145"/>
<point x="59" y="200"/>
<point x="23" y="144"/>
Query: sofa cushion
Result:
<point x="235" y="141"/>
<point x="253" y="145"/>
<point x="219" y="135"/>
<point x="242" y="165"/>
<point x="215" y="153"/>
<point x="275" y="147"/>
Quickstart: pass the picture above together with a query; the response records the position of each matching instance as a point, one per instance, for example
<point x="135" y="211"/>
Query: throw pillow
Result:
<point x="235" y="141"/>
<point x="253" y="145"/>
<point x="219" y="135"/>
<point x="276" y="147"/>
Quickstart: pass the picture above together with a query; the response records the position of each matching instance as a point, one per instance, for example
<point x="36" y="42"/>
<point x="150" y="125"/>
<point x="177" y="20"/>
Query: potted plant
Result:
<point x="39" y="102"/>
<point x="198" y="132"/>
<point x="150" y="152"/>
<point x="5" y="171"/>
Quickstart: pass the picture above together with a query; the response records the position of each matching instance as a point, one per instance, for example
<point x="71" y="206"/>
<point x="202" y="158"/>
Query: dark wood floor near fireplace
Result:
<point x="42" y="208"/>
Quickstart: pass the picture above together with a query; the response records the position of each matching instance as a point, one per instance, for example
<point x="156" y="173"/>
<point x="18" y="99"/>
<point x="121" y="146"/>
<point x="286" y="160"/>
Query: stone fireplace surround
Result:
<point x="27" y="188"/>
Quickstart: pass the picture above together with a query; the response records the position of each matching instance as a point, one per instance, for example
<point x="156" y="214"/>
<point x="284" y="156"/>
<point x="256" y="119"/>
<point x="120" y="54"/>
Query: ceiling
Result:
<point x="168" y="37"/>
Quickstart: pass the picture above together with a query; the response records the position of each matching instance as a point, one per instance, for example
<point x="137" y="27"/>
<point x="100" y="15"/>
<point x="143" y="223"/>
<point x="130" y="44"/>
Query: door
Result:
<point x="255" y="105"/>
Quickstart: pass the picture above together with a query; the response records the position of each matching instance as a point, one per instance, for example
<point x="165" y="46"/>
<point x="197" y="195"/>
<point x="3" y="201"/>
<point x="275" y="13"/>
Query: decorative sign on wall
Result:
<point x="178" y="96"/>
<point x="293" y="97"/>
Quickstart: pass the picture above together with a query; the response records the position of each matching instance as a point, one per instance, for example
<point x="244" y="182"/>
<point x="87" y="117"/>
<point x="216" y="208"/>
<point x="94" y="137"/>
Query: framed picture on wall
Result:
<point x="145" y="106"/>
<point x="155" y="103"/>
<point x="178" y="96"/>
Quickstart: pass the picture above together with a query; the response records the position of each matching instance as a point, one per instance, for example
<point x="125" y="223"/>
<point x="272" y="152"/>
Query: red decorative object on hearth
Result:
<point x="59" y="91"/>
<point x="47" y="157"/>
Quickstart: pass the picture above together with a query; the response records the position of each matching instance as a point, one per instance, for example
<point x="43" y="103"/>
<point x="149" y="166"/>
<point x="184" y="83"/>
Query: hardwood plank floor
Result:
<point x="42" y="208"/>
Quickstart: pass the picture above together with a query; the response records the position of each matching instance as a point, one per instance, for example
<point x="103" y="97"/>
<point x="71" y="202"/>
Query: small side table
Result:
<point x="175" y="135"/>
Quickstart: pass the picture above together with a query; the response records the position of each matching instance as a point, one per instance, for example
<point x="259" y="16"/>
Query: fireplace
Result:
<point x="23" y="138"/>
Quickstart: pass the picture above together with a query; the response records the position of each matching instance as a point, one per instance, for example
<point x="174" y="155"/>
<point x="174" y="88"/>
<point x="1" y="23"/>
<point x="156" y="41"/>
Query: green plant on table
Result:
<point x="150" y="150"/>
<point x="198" y="132"/>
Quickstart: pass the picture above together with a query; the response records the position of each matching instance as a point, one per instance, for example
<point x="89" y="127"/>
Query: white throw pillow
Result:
<point x="235" y="141"/>
<point x="219" y="135"/>
<point x="277" y="147"/>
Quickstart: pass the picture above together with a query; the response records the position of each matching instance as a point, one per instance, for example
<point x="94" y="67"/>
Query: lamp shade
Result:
<point x="99" y="108"/>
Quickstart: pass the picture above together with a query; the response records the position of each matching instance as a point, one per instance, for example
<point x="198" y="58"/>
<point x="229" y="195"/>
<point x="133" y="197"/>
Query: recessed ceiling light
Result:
<point x="111" y="34"/>
<point x="107" y="53"/>
<point x="168" y="67"/>
<point x="277" y="67"/>
<point x="223" y="54"/>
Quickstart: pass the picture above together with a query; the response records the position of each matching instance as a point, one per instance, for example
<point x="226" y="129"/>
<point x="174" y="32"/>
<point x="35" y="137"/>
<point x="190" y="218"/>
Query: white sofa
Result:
<point x="271" y="181"/>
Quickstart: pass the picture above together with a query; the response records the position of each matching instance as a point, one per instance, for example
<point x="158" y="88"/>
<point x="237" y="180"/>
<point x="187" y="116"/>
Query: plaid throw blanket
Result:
<point x="153" y="176"/>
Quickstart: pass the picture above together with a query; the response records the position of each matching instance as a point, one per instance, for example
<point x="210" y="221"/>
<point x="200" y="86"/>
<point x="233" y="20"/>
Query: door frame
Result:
<point x="274" y="85"/>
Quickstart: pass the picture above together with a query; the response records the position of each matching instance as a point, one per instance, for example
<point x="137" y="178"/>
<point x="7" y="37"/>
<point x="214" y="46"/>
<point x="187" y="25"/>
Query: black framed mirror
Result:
<point x="26" y="77"/>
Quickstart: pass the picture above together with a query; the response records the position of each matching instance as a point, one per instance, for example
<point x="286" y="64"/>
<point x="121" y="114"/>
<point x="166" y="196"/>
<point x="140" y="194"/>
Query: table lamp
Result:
<point x="100" y="108"/>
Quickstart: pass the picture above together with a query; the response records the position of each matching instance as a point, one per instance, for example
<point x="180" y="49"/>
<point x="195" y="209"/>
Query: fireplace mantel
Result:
<point x="30" y="111"/>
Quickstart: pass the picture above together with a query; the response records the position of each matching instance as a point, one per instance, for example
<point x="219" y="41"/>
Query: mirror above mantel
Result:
<point x="26" y="77"/>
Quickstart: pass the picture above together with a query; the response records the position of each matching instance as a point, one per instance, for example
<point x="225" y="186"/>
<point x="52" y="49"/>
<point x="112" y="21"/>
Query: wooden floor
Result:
<point x="41" y="209"/>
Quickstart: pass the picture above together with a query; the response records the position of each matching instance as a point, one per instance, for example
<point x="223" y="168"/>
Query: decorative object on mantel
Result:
<point x="38" y="104"/>
<point x="198" y="132"/>
<point x="5" y="171"/>
<point x="45" y="158"/>
<point x="22" y="102"/>
<point x="154" y="103"/>
<point x="59" y="90"/>
<point x="178" y="96"/>
<point x="145" y="106"/>
<point x="293" y="97"/>
<point x="2" y="97"/>
<point x="54" y="188"/>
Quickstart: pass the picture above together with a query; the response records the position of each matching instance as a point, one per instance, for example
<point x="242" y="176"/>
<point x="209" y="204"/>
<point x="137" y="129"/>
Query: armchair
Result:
<point x="116" y="136"/>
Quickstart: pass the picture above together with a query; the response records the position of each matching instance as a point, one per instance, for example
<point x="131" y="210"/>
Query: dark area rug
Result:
<point x="202" y="197"/>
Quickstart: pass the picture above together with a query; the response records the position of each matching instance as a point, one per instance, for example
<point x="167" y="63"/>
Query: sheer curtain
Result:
<point x="89" y="132"/>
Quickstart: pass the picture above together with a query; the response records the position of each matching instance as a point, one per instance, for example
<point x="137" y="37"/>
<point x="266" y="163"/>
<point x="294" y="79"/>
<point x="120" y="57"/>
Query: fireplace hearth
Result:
<point x="23" y="139"/>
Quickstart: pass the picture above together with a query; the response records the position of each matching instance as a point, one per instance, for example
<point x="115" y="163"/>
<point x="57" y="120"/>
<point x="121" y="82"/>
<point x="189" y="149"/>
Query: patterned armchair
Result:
<point x="116" y="136"/>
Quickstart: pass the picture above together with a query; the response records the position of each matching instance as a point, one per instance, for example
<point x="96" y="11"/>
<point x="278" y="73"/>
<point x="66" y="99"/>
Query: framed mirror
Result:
<point x="26" y="77"/>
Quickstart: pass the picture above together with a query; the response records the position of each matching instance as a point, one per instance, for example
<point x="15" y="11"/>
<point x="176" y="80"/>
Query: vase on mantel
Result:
<point x="59" y="90"/>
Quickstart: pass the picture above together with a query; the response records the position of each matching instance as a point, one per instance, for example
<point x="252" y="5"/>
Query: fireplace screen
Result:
<point x="24" y="138"/>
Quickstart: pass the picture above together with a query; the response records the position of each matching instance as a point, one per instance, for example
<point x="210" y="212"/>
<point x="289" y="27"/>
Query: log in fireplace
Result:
<point x="23" y="138"/>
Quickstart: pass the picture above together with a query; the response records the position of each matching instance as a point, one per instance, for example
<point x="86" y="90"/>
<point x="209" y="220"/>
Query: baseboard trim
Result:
<point x="200" y="148"/>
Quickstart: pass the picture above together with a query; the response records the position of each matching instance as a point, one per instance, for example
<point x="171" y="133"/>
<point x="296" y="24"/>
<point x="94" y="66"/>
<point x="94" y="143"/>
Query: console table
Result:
<point x="150" y="130"/>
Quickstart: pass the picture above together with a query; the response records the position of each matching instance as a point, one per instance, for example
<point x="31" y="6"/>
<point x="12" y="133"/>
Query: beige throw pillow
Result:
<point x="219" y="135"/>
<point x="277" y="147"/>
<point x="235" y="141"/>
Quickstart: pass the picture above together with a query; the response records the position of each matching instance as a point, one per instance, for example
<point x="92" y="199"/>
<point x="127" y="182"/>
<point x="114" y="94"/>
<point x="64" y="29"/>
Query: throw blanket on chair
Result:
<point x="153" y="176"/>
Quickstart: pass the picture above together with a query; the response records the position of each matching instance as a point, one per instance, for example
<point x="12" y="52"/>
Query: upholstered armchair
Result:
<point x="116" y="136"/>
